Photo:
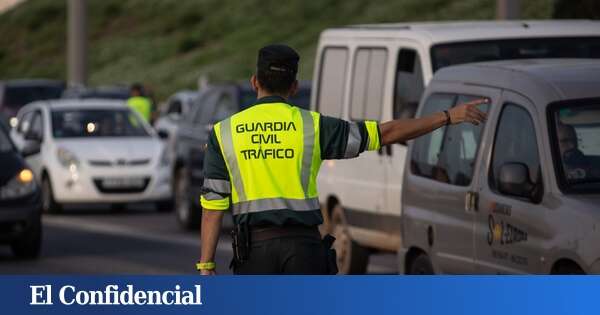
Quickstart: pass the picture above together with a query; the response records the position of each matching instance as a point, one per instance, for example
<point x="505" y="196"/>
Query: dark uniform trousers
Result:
<point x="285" y="255"/>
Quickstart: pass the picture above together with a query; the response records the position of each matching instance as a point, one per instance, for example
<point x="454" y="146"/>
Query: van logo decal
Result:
<point x="504" y="233"/>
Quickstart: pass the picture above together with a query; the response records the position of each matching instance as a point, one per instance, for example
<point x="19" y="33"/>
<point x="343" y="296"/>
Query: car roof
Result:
<point x="443" y="32"/>
<point x="79" y="104"/>
<point x="545" y="80"/>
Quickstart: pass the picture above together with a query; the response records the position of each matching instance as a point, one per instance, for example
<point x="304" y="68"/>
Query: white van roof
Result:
<point x="444" y="32"/>
<point x="543" y="80"/>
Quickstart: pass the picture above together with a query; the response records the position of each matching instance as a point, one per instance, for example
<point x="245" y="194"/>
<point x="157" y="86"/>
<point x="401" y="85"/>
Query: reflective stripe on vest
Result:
<point x="272" y="154"/>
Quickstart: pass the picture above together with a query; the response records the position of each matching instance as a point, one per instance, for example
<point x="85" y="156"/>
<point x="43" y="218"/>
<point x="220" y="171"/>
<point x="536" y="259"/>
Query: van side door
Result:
<point x="439" y="186"/>
<point x="510" y="224"/>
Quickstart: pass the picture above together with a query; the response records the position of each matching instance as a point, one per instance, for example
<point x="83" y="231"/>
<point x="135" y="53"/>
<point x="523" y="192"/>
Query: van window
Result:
<point x="461" y="143"/>
<point x="515" y="142"/>
<point x="427" y="149"/>
<point x="368" y="80"/>
<point x="409" y="84"/>
<point x="448" y="154"/>
<point x="332" y="80"/>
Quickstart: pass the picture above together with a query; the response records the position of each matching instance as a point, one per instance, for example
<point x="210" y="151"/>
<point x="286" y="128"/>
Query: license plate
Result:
<point x="123" y="182"/>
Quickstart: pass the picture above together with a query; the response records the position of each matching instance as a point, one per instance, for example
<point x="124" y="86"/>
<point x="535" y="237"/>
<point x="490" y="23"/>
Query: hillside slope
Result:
<point x="167" y="44"/>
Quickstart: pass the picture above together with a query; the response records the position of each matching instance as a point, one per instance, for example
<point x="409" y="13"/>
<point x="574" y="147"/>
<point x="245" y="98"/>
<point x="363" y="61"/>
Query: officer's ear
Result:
<point x="293" y="89"/>
<point x="254" y="83"/>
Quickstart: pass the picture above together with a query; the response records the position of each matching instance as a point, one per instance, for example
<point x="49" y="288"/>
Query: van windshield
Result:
<point x="576" y="141"/>
<point x="449" y="54"/>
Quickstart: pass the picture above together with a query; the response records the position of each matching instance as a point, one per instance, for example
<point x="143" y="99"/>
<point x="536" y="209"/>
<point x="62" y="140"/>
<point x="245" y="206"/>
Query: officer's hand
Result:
<point x="208" y="272"/>
<point x="468" y="112"/>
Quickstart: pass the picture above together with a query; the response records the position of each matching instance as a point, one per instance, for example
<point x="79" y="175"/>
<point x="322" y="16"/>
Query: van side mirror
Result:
<point x="163" y="134"/>
<point x="513" y="179"/>
<point x="31" y="147"/>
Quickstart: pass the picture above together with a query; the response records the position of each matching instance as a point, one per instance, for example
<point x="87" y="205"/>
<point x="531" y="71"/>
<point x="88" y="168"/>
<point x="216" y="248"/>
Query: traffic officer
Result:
<point x="138" y="102"/>
<point x="262" y="163"/>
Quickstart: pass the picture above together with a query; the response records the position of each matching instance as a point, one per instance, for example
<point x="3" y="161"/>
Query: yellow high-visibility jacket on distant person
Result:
<point x="142" y="105"/>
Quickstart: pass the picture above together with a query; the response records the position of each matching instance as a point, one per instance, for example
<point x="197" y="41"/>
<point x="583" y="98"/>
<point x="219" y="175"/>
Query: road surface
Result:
<point x="139" y="240"/>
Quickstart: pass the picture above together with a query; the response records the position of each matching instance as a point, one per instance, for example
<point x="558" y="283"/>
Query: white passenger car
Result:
<point x="93" y="151"/>
<point x="380" y="72"/>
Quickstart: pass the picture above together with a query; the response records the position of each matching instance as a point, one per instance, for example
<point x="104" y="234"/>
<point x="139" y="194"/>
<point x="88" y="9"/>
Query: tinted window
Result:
<point x="515" y="143"/>
<point x="37" y="125"/>
<point x="444" y="55"/>
<point x="448" y="154"/>
<point x="175" y="106"/>
<point x="367" y="83"/>
<point x="5" y="144"/>
<point x="331" y="81"/>
<point x="409" y="84"/>
<point x="96" y="123"/>
<point x="576" y="143"/>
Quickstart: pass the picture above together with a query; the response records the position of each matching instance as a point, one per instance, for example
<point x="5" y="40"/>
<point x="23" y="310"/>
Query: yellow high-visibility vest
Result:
<point x="273" y="158"/>
<point x="141" y="105"/>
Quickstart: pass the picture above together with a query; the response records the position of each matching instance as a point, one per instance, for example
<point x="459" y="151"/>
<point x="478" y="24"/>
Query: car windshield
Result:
<point x="79" y="123"/>
<point x="444" y="55"/>
<point x="576" y="143"/>
<point x="17" y="96"/>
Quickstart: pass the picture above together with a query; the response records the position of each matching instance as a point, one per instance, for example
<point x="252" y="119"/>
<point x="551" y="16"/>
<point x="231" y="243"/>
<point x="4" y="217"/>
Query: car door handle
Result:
<point x="471" y="201"/>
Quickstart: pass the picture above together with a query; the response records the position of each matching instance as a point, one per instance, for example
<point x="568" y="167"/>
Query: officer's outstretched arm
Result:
<point x="406" y="129"/>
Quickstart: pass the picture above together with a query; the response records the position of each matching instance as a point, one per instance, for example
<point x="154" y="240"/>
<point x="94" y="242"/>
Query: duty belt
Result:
<point x="258" y="234"/>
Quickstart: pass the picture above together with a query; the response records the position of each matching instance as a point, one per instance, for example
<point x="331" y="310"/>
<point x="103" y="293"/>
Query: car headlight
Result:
<point x="19" y="186"/>
<point x="67" y="159"/>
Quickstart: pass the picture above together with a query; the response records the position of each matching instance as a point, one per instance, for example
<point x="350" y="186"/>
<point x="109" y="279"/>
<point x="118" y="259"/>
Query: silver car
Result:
<point x="518" y="194"/>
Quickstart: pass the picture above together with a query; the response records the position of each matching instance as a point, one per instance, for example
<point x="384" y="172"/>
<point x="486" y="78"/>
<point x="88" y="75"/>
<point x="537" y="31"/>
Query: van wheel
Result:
<point x="421" y="265"/>
<point x="49" y="204"/>
<point x="188" y="215"/>
<point x="567" y="268"/>
<point x="30" y="243"/>
<point x="352" y="258"/>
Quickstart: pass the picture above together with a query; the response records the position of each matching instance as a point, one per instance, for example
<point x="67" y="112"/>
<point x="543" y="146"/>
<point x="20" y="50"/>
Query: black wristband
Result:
<point x="448" y="120"/>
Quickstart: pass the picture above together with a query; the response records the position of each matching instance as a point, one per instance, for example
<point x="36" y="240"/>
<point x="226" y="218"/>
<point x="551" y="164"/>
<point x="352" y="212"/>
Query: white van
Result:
<point x="380" y="72"/>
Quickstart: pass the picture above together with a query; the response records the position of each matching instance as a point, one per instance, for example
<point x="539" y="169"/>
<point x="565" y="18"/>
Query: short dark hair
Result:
<point x="137" y="87"/>
<point x="276" y="82"/>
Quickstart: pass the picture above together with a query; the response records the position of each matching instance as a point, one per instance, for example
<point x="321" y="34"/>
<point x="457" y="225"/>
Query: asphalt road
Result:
<point x="138" y="240"/>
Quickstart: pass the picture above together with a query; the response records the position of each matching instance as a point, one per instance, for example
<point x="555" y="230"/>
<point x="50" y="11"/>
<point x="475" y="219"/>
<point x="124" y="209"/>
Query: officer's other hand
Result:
<point x="208" y="272"/>
<point x="468" y="112"/>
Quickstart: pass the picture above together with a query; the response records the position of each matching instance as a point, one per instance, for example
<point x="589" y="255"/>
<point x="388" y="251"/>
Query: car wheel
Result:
<point x="49" y="204"/>
<point x="568" y="269"/>
<point x="421" y="265"/>
<point x="352" y="258"/>
<point x="188" y="215"/>
<point x="30" y="243"/>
